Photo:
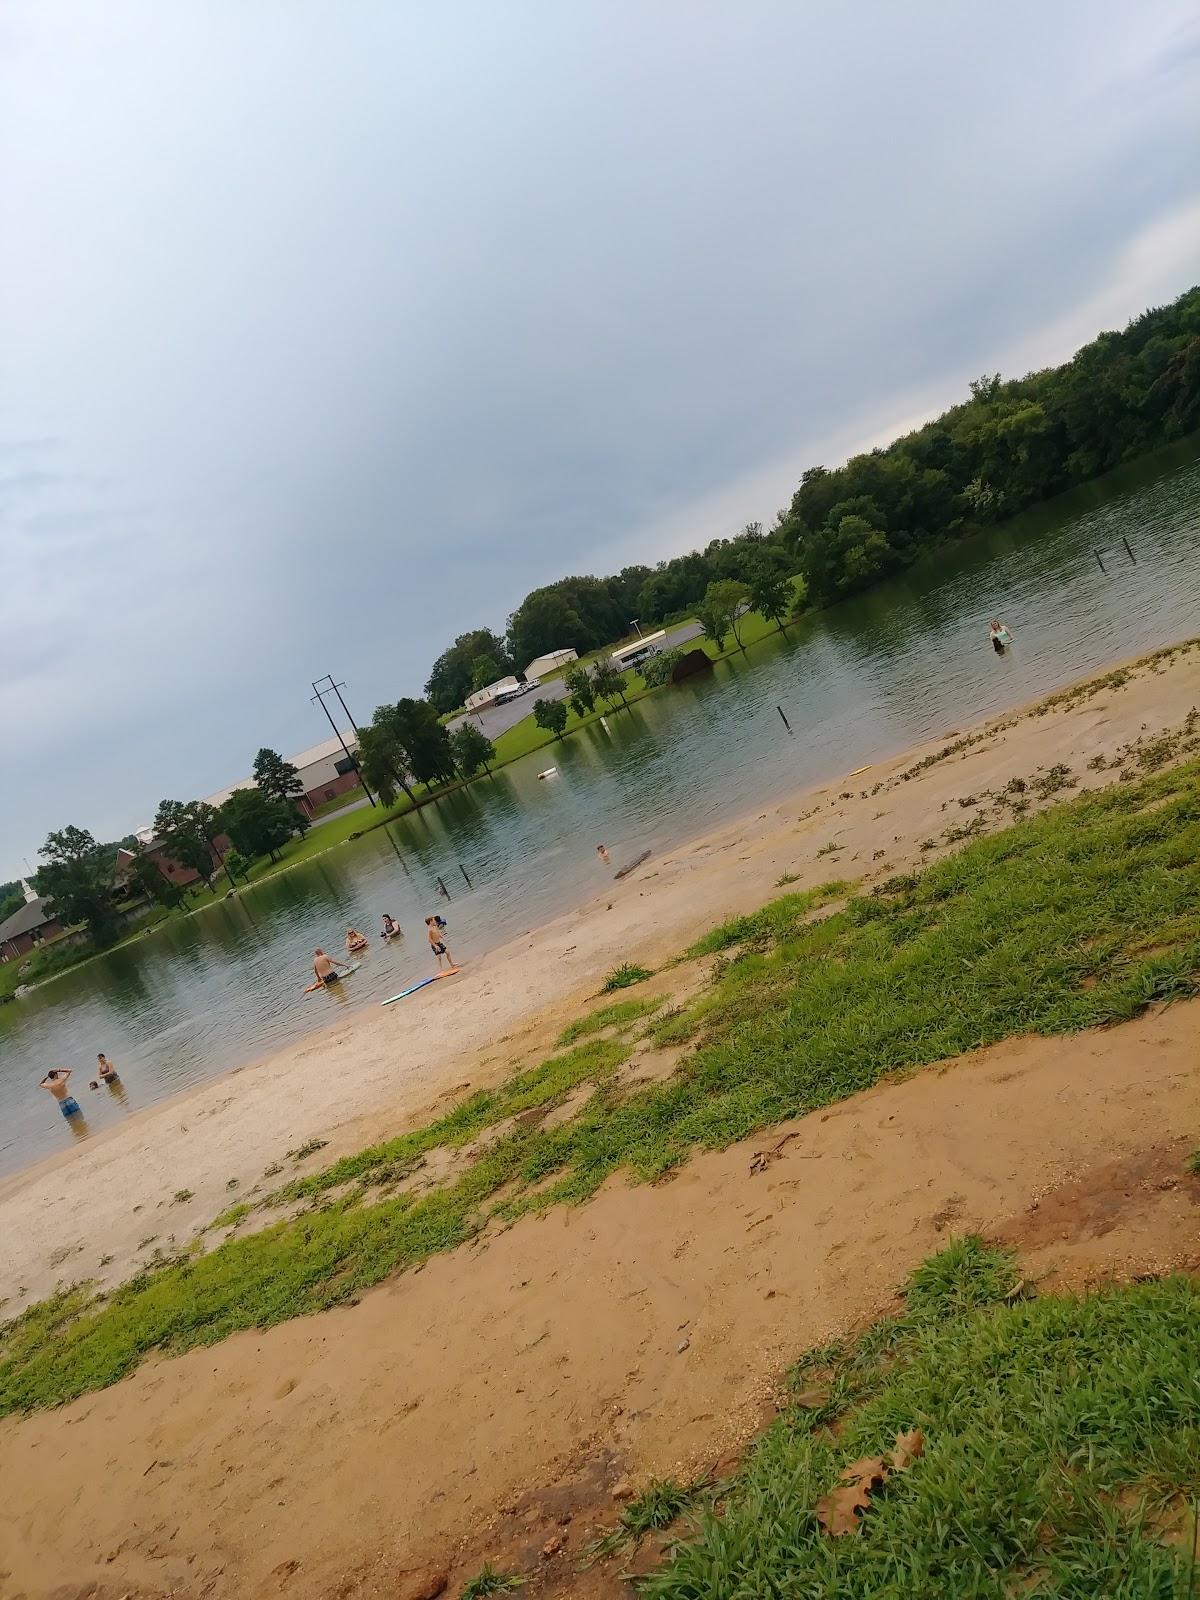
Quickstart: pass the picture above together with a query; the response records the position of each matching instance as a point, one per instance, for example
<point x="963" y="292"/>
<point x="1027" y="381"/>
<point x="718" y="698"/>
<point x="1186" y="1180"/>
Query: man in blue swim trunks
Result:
<point x="56" y="1081"/>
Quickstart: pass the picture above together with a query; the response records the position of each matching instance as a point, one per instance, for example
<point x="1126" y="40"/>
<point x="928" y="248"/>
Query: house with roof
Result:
<point x="29" y="928"/>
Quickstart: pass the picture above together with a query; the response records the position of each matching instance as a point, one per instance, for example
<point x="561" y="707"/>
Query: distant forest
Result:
<point x="1010" y="445"/>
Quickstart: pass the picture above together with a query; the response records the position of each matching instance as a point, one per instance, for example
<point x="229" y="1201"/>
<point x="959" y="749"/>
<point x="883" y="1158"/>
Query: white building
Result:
<point x="485" y="697"/>
<point x="548" y="662"/>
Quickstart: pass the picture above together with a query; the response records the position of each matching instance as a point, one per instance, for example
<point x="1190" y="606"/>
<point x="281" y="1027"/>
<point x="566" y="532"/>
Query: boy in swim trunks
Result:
<point x="56" y="1082"/>
<point x="434" y="926"/>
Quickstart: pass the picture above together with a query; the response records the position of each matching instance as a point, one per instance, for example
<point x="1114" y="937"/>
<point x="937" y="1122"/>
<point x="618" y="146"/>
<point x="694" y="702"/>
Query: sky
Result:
<point x="327" y="331"/>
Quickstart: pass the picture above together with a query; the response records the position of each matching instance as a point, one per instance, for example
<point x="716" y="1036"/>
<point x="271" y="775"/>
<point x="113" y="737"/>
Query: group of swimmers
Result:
<point x="57" y="1083"/>
<point x="325" y="966"/>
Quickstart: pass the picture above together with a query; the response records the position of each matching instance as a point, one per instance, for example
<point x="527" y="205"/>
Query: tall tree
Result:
<point x="449" y="681"/>
<point x="78" y="877"/>
<point x="727" y="597"/>
<point x="485" y="670"/>
<point x="472" y="749"/>
<point x="551" y="715"/>
<point x="771" y="594"/>
<point x="276" y="778"/>
<point x="188" y="830"/>
<point x="424" y="740"/>
<point x="381" y="759"/>
<point x="257" y="824"/>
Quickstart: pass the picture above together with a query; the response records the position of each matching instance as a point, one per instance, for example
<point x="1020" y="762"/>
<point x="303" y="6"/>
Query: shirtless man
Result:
<point x="323" y="966"/>
<point x="56" y="1082"/>
<point x="436" y="942"/>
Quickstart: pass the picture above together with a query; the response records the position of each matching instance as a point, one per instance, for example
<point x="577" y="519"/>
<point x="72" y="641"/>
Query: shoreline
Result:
<point x="369" y="1075"/>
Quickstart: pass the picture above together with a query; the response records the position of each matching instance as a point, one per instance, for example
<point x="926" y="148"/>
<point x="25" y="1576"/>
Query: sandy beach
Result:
<point x="498" y="1401"/>
<point x="101" y="1208"/>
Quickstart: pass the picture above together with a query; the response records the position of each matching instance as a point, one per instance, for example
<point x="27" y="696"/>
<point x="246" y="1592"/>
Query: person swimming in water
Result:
<point x="999" y="636"/>
<point x="390" y="926"/>
<point x="355" y="941"/>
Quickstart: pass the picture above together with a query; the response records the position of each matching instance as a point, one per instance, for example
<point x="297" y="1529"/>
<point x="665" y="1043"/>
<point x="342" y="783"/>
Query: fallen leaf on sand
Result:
<point x="838" y="1512"/>
<point x="907" y="1448"/>
<point x="865" y="1472"/>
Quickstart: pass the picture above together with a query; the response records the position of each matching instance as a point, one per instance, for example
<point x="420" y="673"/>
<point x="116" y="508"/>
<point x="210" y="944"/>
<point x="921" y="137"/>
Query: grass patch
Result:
<point x="777" y="920"/>
<point x="624" y="977"/>
<point x="1080" y="916"/>
<point x="619" y="1015"/>
<point x="659" y="1505"/>
<point x="1061" y="1452"/>
<point x="488" y="1581"/>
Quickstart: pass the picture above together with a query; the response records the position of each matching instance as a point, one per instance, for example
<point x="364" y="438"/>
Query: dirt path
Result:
<point x="471" y="1407"/>
<point x="100" y="1210"/>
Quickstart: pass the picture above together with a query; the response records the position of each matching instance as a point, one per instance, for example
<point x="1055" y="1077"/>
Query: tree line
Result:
<point x="1009" y="445"/>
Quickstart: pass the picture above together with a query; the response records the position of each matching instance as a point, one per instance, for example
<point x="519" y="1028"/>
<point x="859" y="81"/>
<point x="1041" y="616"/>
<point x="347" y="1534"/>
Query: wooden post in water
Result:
<point x="1100" y="563"/>
<point x="443" y="888"/>
<point x="1128" y="551"/>
<point x="463" y="870"/>
<point x="786" y="723"/>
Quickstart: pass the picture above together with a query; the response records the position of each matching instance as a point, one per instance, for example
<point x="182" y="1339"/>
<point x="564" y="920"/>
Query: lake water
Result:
<point x="869" y="678"/>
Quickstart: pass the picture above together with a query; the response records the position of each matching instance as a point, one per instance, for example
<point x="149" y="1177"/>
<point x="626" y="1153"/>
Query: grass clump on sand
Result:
<point x="624" y="977"/>
<point x="1053" y="1448"/>
<point x="488" y="1581"/>
<point x="661" y="1503"/>
<point x="1080" y="916"/>
<point x="618" y="1016"/>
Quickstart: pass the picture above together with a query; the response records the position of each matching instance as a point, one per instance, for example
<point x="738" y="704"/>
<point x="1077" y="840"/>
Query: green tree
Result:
<point x="449" y="681"/>
<point x="188" y="830"/>
<point x="582" y="690"/>
<point x="551" y="715"/>
<point x="236" y="865"/>
<point x="728" y="597"/>
<point x="484" y="671"/>
<point x="424" y="740"/>
<point x="78" y="878"/>
<point x="659" y="668"/>
<point x="146" y="876"/>
<point x="472" y="749"/>
<point x="381" y="760"/>
<point x="257" y="824"/>
<point x="771" y="594"/>
<point x="608" y="681"/>
<point x="276" y="778"/>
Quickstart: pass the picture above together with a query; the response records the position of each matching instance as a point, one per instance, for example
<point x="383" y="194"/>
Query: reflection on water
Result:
<point x="907" y="662"/>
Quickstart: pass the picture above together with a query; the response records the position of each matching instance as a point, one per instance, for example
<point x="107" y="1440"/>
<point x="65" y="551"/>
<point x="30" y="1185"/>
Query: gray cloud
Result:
<point x="330" y="332"/>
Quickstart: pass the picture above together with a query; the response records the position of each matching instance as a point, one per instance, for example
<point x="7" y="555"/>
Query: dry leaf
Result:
<point x="908" y="1447"/>
<point x="865" y="1472"/>
<point x="838" y="1512"/>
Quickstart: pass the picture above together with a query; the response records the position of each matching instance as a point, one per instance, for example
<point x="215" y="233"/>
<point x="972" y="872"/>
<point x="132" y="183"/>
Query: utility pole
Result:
<point x="330" y="687"/>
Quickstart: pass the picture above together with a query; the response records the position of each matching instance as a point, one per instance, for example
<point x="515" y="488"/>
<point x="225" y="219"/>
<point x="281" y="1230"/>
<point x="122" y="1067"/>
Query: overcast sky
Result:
<point x="327" y="330"/>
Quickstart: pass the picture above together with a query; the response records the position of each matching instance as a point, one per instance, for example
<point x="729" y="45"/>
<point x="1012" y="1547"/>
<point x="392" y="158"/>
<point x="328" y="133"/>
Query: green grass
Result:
<point x="1061" y="1450"/>
<point x="624" y="977"/>
<point x="661" y="1503"/>
<point x="488" y="1581"/>
<point x="1081" y="916"/>
<point x="617" y="1016"/>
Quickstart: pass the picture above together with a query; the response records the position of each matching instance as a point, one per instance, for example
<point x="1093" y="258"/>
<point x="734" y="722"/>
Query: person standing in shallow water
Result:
<point x="56" y="1082"/>
<point x="434" y="926"/>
